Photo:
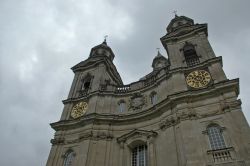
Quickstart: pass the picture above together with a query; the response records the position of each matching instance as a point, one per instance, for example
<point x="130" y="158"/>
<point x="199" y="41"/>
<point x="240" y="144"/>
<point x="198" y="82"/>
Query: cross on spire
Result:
<point x="105" y="37"/>
<point x="158" y="51"/>
<point x="175" y="12"/>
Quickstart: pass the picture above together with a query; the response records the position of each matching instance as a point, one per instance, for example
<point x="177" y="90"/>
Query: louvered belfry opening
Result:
<point x="190" y="55"/>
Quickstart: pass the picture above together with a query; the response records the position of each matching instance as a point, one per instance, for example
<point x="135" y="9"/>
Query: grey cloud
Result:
<point x="41" y="40"/>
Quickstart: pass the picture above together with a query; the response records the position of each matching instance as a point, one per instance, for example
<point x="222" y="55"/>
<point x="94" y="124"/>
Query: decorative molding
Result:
<point x="208" y="114"/>
<point x="57" y="141"/>
<point x="225" y="107"/>
<point x="136" y="134"/>
<point x="192" y="115"/>
<point x="95" y="136"/>
<point x="184" y="32"/>
<point x="229" y="106"/>
<point x="187" y="115"/>
<point x="168" y="122"/>
<point x="70" y="150"/>
<point x="131" y="117"/>
<point x="104" y="85"/>
<point x="86" y="136"/>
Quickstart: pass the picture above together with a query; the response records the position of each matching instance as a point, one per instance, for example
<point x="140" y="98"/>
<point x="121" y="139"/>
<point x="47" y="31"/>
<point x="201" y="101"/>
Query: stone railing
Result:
<point x="135" y="85"/>
<point x="221" y="155"/>
<point x="192" y="61"/>
<point x="123" y="89"/>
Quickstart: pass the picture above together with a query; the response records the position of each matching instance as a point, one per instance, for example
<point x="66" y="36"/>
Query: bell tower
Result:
<point x="188" y="47"/>
<point x="185" y="112"/>
<point x="92" y="75"/>
<point x="94" y="71"/>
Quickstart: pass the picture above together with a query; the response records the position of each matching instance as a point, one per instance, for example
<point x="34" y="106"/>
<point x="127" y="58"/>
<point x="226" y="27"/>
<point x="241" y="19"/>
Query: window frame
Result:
<point x="86" y="80"/>
<point x="136" y="159"/>
<point x="121" y="106"/>
<point x="216" y="138"/>
<point x="153" y="98"/>
<point x="69" y="157"/>
<point x="192" y="58"/>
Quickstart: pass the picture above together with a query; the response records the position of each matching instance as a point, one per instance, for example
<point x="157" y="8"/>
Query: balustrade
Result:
<point x="221" y="155"/>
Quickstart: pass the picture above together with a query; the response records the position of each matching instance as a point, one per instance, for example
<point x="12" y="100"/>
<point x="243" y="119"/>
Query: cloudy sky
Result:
<point x="40" y="40"/>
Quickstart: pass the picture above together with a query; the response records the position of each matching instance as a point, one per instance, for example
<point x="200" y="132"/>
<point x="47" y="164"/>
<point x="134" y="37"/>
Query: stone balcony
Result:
<point x="224" y="157"/>
<point x="221" y="155"/>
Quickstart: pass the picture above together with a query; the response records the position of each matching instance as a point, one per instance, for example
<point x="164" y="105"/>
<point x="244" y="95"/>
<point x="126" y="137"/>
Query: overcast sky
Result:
<point x="40" y="40"/>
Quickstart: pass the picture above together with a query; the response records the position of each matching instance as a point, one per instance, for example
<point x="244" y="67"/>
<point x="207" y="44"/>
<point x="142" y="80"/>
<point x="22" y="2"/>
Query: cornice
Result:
<point x="91" y="135"/>
<point x="200" y="65"/>
<point x="177" y="35"/>
<point x="156" y="110"/>
<point x="87" y="64"/>
<point x="136" y="133"/>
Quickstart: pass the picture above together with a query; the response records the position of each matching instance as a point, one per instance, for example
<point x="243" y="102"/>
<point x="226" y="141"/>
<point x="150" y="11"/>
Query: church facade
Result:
<point x="186" y="112"/>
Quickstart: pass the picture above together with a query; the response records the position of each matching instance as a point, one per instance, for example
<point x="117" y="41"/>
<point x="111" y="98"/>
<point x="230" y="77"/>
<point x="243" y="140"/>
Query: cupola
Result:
<point x="179" y="22"/>
<point x="159" y="61"/>
<point x="102" y="50"/>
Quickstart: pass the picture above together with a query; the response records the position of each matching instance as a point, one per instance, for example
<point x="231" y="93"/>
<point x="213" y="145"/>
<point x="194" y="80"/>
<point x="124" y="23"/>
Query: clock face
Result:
<point x="198" y="79"/>
<point x="79" y="109"/>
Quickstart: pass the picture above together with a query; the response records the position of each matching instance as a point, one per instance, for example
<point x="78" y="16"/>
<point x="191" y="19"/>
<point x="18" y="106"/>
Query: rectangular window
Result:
<point x="215" y="137"/>
<point x="139" y="156"/>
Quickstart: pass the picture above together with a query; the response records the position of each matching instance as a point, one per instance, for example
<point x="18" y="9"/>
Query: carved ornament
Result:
<point x="168" y="122"/>
<point x="136" y="134"/>
<point x="137" y="101"/>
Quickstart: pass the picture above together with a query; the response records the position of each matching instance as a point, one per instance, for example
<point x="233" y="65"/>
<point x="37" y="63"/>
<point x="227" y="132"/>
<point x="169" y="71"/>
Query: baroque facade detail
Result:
<point x="185" y="112"/>
<point x="137" y="101"/>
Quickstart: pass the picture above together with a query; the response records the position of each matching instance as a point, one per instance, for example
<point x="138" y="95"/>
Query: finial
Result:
<point x="158" y="49"/>
<point x="175" y="13"/>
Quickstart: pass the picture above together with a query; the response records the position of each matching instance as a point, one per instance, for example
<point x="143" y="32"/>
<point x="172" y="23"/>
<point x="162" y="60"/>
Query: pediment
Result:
<point x="136" y="134"/>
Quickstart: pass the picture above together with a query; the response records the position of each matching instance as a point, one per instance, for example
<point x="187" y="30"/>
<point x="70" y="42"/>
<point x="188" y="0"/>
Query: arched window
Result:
<point x="153" y="98"/>
<point x="190" y="55"/>
<point x="121" y="106"/>
<point x="86" y="82"/>
<point x="215" y="137"/>
<point x="86" y="85"/>
<point x="69" y="157"/>
<point x="139" y="155"/>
